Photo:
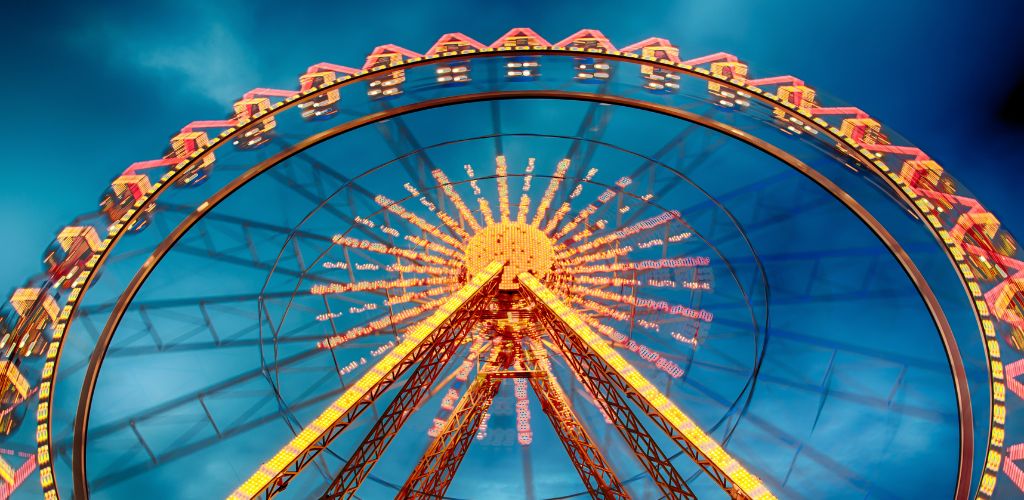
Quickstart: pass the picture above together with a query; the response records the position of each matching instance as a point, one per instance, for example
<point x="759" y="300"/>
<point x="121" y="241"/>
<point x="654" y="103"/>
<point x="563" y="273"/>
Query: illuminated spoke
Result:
<point x="391" y="320"/>
<point x="524" y="199"/>
<point x="557" y="217"/>
<point x="633" y="229"/>
<point x="643" y="265"/>
<point x="602" y="199"/>
<point x="650" y="304"/>
<point x="597" y="256"/>
<point x="416" y="296"/>
<point x="524" y="207"/>
<point x="453" y="195"/>
<point x="362" y="286"/>
<point x="503" y="202"/>
<point x="485" y="209"/>
<point x="452" y="224"/>
<point x="417" y="269"/>
<point x="549" y="193"/>
<point x="417" y="221"/>
<point x="381" y="248"/>
<point x="433" y="247"/>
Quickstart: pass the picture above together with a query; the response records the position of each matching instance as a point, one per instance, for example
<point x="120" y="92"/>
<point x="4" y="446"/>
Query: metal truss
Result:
<point x="435" y="470"/>
<point x="448" y="323"/>
<point x="607" y="393"/>
<point x="591" y="465"/>
<point x="384" y="430"/>
<point x="608" y="386"/>
<point x="441" y="461"/>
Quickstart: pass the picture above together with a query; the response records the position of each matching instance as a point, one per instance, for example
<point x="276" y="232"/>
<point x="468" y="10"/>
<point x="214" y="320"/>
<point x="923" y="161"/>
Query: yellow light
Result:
<point x="524" y="207"/>
<point x="385" y="249"/>
<point x="549" y="193"/>
<point x="485" y="209"/>
<point x="10" y="372"/>
<point x="23" y="299"/>
<point x="502" y="173"/>
<point x="415" y="220"/>
<point x="556" y="218"/>
<point x="524" y="247"/>
<point x="453" y="195"/>
<point x="326" y="420"/>
<point x="582" y="216"/>
<point x="746" y="481"/>
<point x="431" y="246"/>
<point x="6" y="472"/>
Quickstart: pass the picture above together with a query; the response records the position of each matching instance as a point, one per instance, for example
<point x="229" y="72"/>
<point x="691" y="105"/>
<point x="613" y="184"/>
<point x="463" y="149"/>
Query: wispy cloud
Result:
<point x="212" y="65"/>
<point x="207" y="56"/>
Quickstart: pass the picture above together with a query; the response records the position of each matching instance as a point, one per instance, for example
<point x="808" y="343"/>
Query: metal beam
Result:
<point x="275" y="475"/>
<point x="608" y="394"/>
<point x="384" y="430"/>
<point x="435" y="470"/>
<point x="591" y="465"/>
<point x="610" y="376"/>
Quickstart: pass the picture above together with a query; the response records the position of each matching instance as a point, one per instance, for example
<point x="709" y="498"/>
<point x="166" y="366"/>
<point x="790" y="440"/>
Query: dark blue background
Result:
<point x="88" y="89"/>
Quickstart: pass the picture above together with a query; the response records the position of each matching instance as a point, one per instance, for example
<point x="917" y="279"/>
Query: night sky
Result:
<point x="91" y="88"/>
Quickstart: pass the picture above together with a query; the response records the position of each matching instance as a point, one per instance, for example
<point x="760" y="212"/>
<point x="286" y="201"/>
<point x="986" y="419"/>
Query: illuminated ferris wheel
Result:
<point x="523" y="270"/>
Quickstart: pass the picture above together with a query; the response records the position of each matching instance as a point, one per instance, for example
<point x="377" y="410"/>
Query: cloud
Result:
<point x="204" y="54"/>
<point x="213" y="65"/>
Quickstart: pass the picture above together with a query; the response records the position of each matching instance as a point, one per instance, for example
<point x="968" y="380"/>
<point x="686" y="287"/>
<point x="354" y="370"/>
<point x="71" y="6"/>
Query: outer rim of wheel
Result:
<point x="952" y="247"/>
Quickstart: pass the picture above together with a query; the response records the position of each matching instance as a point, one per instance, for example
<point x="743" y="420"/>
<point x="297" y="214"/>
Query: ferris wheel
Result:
<point x="523" y="270"/>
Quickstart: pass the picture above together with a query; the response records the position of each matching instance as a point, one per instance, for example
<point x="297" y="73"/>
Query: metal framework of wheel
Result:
<point x="711" y="283"/>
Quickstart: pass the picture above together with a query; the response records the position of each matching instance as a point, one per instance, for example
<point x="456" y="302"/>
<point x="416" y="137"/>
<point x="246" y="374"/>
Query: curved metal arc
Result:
<point x="81" y="486"/>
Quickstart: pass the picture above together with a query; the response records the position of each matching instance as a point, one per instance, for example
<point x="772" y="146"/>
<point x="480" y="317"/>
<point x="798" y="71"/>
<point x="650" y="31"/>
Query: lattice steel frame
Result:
<point x="435" y="470"/>
<point x="459" y="318"/>
<point x="369" y="451"/>
<point x="608" y="387"/>
<point x="597" y="475"/>
<point x="601" y="383"/>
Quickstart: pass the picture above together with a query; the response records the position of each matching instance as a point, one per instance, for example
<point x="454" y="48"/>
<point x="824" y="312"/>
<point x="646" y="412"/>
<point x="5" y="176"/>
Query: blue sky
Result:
<point x="90" y="89"/>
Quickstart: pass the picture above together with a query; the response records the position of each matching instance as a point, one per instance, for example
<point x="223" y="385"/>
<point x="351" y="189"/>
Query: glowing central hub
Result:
<point x="524" y="247"/>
